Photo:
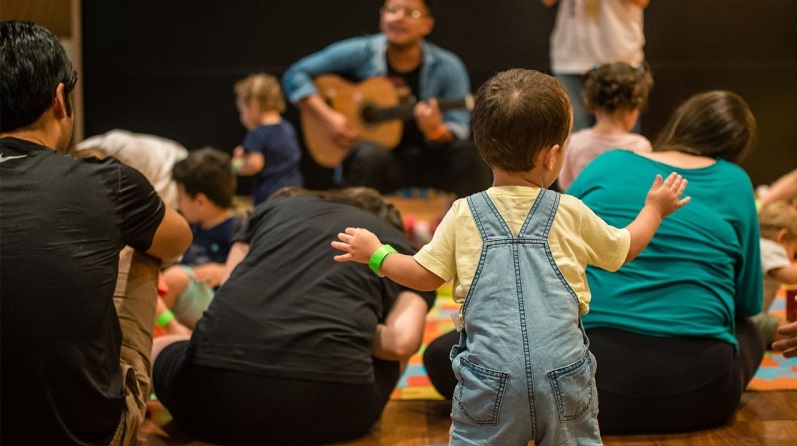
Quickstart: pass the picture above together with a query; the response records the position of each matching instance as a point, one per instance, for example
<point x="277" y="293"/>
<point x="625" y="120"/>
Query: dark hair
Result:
<point x="616" y="86"/>
<point x="32" y="64"/>
<point x="717" y="124"/>
<point x="519" y="112"/>
<point x="430" y="6"/>
<point x="208" y="171"/>
<point x="364" y="198"/>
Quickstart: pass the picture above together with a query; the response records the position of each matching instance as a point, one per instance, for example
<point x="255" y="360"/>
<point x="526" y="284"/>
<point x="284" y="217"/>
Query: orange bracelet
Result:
<point x="437" y="133"/>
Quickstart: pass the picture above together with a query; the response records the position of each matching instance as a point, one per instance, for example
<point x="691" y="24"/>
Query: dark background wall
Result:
<point x="167" y="68"/>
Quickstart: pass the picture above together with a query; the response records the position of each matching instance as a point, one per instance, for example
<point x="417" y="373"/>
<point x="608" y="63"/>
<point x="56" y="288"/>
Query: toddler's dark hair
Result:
<point x="616" y="86"/>
<point x="519" y="112"/>
<point x="208" y="171"/>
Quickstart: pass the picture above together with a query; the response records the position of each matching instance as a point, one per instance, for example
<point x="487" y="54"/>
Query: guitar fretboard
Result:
<point x="373" y="114"/>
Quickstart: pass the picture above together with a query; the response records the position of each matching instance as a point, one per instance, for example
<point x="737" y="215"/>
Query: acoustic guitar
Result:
<point x="371" y="106"/>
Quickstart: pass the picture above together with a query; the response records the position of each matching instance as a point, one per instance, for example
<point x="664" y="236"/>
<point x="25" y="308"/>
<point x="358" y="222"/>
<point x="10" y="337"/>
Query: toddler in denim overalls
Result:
<point x="517" y="253"/>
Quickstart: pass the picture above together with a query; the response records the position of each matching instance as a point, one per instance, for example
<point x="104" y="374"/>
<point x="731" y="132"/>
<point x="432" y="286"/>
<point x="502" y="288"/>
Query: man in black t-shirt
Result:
<point x="77" y="317"/>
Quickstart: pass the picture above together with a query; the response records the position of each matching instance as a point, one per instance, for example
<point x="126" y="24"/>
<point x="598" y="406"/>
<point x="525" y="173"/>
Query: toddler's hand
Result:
<point x="665" y="196"/>
<point x="359" y="245"/>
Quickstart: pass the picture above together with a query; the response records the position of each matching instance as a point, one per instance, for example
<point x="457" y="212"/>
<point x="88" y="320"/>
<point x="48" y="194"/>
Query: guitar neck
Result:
<point x="375" y="114"/>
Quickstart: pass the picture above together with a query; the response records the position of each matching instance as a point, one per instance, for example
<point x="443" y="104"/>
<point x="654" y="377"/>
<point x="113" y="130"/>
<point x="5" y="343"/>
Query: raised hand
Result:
<point x="358" y="244"/>
<point x="665" y="195"/>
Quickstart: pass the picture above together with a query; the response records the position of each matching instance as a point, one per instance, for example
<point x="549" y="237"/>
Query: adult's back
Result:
<point x="64" y="223"/>
<point x="295" y="348"/>
<point x="671" y="330"/>
<point x="77" y="312"/>
<point x="699" y="270"/>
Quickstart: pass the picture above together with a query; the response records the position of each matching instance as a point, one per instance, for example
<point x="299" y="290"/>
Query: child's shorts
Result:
<point x="193" y="302"/>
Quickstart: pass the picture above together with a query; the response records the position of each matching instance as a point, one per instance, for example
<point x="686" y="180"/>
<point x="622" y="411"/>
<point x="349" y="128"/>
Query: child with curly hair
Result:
<point x="615" y="93"/>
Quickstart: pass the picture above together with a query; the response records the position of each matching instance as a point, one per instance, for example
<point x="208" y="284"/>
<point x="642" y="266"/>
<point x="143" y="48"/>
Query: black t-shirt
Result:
<point x="288" y="309"/>
<point x="407" y="85"/>
<point x="63" y="222"/>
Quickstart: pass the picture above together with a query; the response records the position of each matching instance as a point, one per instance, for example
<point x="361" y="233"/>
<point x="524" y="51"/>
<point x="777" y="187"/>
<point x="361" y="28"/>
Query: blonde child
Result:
<point x="517" y="254"/>
<point x="778" y="221"/>
<point x="270" y="149"/>
<point x="205" y="191"/>
<point x="615" y="93"/>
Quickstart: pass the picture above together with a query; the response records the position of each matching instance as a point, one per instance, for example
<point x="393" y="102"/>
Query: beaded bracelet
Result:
<point x="378" y="258"/>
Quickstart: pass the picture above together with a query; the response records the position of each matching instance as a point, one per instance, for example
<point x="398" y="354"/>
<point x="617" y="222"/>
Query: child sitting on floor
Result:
<point x="270" y="149"/>
<point x="205" y="190"/>
<point x="778" y="221"/>
<point x="517" y="254"/>
<point x="615" y="93"/>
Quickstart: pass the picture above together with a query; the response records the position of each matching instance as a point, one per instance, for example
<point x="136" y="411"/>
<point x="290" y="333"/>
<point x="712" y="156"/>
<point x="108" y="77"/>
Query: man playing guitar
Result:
<point x="434" y="150"/>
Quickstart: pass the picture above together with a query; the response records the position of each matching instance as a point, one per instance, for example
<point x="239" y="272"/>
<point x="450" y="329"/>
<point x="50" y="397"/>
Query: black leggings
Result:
<point x="229" y="407"/>
<point x="649" y="385"/>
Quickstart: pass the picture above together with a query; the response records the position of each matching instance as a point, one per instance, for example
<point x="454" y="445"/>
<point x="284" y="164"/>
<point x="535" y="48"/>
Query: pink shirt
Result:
<point x="585" y="145"/>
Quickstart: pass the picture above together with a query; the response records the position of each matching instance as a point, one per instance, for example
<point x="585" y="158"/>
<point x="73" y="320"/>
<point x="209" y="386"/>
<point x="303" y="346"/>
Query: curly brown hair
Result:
<point x="616" y="86"/>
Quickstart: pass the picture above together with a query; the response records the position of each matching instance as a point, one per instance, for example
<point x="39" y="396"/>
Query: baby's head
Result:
<point x="258" y="93"/>
<point x="204" y="178"/>
<point x="519" y="113"/>
<point x="616" y="86"/>
<point x="778" y="221"/>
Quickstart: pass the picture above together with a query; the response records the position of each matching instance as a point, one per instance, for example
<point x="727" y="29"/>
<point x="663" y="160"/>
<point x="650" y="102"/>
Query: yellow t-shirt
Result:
<point x="577" y="238"/>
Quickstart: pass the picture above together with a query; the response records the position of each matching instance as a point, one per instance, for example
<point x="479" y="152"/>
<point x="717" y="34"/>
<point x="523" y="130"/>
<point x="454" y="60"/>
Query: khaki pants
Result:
<point x="135" y="299"/>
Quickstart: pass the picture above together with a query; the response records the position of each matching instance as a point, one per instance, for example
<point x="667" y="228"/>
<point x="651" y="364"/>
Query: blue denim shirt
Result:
<point x="443" y="75"/>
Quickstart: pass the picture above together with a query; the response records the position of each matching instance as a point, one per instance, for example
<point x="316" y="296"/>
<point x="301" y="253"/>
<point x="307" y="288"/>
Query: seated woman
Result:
<point x="671" y="332"/>
<point x="295" y="348"/>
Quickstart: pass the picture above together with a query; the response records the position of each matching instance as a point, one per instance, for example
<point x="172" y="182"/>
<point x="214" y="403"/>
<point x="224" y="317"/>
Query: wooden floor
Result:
<point x="765" y="418"/>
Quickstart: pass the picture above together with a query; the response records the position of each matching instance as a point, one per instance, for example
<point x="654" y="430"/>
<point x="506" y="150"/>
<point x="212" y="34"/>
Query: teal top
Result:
<point x="703" y="267"/>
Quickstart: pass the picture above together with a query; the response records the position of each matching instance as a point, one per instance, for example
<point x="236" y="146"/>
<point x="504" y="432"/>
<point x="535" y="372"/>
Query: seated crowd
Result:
<point x="270" y="329"/>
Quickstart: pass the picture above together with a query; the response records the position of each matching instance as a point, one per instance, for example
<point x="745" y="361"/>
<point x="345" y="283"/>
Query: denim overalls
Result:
<point x="522" y="362"/>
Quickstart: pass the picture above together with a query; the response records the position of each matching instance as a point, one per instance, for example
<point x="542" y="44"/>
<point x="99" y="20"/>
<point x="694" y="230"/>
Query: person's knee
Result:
<point x="177" y="280"/>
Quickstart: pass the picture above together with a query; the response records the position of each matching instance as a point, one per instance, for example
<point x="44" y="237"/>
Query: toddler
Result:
<point x="517" y="254"/>
<point x="270" y="149"/>
<point x="205" y="192"/>
<point x="778" y="221"/>
<point x="615" y="93"/>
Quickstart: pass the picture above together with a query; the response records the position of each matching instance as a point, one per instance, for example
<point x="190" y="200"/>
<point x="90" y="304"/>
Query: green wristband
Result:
<point x="164" y="318"/>
<point x="378" y="258"/>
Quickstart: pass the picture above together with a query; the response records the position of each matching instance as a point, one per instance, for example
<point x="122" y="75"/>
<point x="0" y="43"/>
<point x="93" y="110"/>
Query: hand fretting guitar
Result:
<point x="372" y="106"/>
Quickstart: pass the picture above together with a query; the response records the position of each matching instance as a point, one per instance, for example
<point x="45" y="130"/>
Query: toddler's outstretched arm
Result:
<point x="247" y="164"/>
<point x="359" y="245"/>
<point x="663" y="199"/>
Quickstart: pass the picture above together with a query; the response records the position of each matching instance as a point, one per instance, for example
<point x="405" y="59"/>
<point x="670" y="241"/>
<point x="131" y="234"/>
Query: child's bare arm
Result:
<point x="247" y="164"/>
<point x="663" y="199"/>
<point x="359" y="245"/>
<point x="787" y="274"/>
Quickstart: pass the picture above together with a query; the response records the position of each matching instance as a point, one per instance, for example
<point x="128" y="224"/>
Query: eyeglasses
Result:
<point x="405" y="11"/>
